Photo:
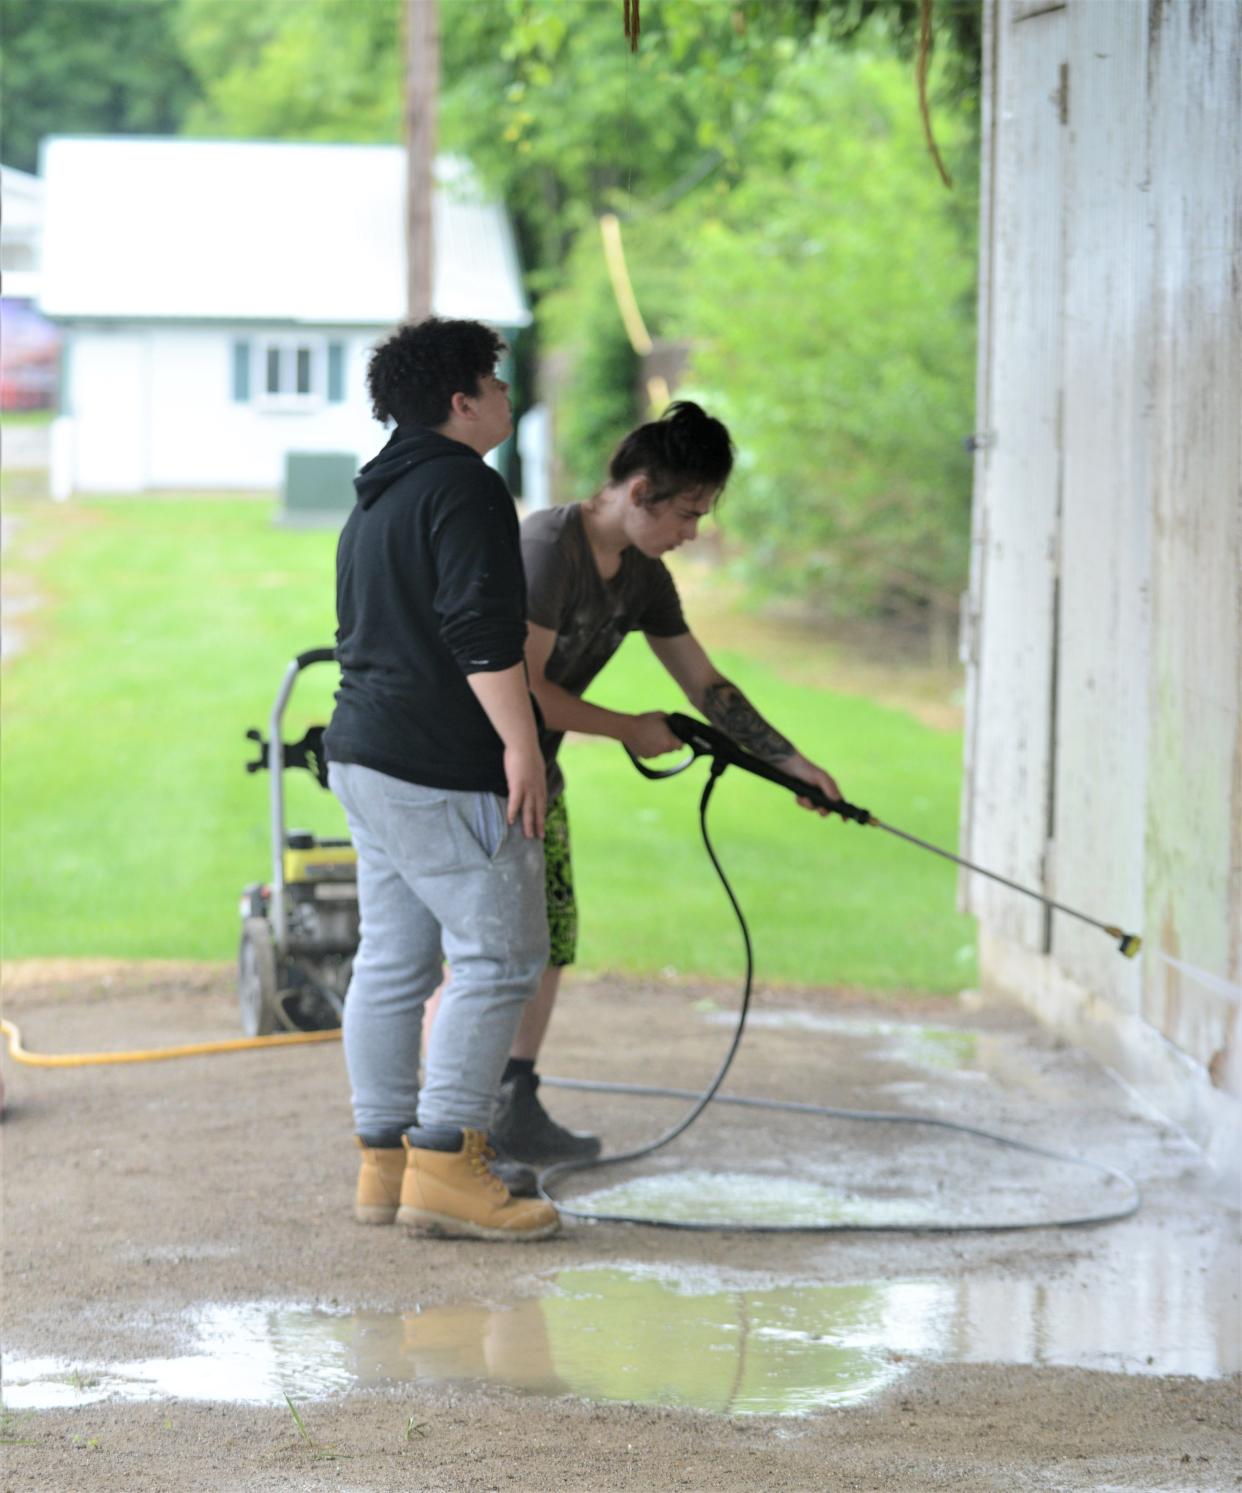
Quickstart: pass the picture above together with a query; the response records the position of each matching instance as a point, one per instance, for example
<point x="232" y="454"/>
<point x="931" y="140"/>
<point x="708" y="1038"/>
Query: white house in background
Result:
<point x="219" y="298"/>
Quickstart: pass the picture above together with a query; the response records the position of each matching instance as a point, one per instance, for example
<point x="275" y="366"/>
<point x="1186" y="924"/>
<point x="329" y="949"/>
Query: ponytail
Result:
<point x="686" y="449"/>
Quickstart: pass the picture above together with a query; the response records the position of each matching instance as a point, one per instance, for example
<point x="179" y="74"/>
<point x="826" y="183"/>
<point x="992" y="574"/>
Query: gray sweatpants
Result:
<point x="440" y="876"/>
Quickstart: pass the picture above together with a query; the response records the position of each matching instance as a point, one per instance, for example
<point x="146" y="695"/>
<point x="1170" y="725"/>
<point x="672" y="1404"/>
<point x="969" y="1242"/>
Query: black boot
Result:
<point x="522" y="1128"/>
<point x="519" y="1179"/>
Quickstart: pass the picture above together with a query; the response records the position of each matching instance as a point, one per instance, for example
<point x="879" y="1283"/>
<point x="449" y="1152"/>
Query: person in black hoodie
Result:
<point x="434" y="754"/>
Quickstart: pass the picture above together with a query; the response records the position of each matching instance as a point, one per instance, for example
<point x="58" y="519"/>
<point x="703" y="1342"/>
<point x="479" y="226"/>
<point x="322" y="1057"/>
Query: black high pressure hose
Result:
<point x="704" y="741"/>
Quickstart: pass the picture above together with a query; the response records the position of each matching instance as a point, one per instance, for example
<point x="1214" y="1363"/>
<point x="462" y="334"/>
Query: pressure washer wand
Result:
<point x="1128" y="943"/>
<point x="706" y="741"/>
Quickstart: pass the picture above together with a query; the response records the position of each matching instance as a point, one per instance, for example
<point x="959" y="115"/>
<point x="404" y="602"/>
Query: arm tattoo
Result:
<point x="729" y="709"/>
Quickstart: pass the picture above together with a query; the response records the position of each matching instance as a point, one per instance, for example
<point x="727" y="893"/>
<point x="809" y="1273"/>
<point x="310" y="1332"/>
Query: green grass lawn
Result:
<point x="27" y="417"/>
<point x="129" y="825"/>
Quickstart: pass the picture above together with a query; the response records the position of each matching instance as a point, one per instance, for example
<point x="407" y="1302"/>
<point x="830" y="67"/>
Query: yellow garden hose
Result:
<point x="154" y="1054"/>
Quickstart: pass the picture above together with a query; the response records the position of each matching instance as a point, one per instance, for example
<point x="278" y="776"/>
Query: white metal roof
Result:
<point x="22" y="197"/>
<point x="206" y="229"/>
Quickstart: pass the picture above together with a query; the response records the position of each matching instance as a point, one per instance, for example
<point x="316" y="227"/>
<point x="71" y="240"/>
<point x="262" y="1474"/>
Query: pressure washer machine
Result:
<point x="300" y="928"/>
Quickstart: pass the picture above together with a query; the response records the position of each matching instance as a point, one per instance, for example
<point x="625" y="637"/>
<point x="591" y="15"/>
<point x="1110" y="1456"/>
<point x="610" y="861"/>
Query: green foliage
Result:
<point x="597" y="370"/>
<point x="784" y="221"/>
<point x="564" y="121"/>
<point x="315" y="70"/>
<point x="829" y="302"/>
<point x="89" y="67"/>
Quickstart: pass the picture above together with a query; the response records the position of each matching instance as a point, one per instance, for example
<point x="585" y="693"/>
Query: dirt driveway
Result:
<point x="179" y="1256"/>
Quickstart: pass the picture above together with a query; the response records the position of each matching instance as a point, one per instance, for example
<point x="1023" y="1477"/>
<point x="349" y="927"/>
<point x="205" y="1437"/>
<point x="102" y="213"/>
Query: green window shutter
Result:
<point x="336" y="373"/>
<point x="241" y="372"/>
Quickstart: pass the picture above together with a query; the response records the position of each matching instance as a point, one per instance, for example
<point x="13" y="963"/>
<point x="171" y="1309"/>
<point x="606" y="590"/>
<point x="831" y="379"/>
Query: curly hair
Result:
<point x="413" y="376"/>
<point x="686" y="450"/>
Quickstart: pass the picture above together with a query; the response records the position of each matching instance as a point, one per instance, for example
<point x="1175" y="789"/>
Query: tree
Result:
<point x="715" y="144"/>
<point x="311" y="70"/>
<point x="89" y="67"/>
<point x="564" y="122"/>
<point x="829" y="302"/>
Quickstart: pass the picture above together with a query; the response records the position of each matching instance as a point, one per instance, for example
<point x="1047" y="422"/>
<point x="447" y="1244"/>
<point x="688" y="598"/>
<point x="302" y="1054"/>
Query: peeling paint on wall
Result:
<point x="1104" y="756"/>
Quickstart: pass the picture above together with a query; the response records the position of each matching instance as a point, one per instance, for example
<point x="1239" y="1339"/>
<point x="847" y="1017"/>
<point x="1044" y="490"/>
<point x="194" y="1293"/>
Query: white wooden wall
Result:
<point x="1010" y="631"/>
<point x="1100" y="806"/>
<point x="1194" y="846"/>
<point x="1104" y="745"/>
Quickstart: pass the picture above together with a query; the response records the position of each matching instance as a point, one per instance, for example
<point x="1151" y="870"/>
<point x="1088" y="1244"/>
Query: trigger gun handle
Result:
<point x="704" y="740"/>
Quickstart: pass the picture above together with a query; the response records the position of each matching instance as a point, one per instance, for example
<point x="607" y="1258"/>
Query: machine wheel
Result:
<point x="256" y="978"/>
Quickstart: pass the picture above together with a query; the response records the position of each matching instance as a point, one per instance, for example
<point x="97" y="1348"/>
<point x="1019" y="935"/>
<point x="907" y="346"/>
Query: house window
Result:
<point x="293" y="373"/>
<point x="288" y="369"/>
<point x="288" y="373"/>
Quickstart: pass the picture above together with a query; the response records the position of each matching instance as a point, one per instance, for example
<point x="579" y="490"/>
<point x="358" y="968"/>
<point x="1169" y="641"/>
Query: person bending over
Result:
<point x="434" y="754"/>
<point x="594" y="572"/>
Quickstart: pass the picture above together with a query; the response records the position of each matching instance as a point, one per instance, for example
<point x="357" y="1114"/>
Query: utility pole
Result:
<point x="422" y="83"/>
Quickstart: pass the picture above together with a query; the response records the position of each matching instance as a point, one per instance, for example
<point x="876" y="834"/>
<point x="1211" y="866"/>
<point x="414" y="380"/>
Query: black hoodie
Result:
<point x="429" y="588"/>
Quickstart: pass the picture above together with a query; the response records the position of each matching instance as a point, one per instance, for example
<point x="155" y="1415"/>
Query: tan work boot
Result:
<point x="449" y="1189"/>
<point x="379" y="1182"/>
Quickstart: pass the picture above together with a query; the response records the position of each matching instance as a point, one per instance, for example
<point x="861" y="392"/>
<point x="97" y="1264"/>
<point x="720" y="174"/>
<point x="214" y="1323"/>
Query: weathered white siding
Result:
<point x="151" y="407"/>
<point x="1194" y="848"/>
<point x="1105" y="652"/>
<point x="1018" y="468"/>
<point x="1096" y="857"/>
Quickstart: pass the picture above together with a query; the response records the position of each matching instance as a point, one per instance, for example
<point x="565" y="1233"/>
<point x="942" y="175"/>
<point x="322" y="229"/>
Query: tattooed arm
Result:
<point x="726" y="707"/>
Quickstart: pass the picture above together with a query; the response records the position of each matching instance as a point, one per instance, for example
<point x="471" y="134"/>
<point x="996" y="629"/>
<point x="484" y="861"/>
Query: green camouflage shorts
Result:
<point x="559" y="885"/>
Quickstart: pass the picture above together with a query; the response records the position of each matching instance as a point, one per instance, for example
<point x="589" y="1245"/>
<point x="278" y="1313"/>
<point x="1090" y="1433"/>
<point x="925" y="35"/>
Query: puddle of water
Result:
<point x="751" y="1198"/>
<point x="728" y="1342"/>
<point x="599" y="1334"/>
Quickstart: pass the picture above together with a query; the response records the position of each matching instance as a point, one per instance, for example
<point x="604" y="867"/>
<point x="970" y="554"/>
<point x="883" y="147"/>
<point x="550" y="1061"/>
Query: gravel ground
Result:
<point x="142" y="1204"/>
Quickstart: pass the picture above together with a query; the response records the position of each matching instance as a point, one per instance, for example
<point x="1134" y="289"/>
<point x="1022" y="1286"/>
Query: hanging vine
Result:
<point x="921" y="66"/>
<point x="632" y="23"/>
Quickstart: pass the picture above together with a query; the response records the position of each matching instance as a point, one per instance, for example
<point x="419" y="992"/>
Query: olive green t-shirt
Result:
<point x="590" y="616"/>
